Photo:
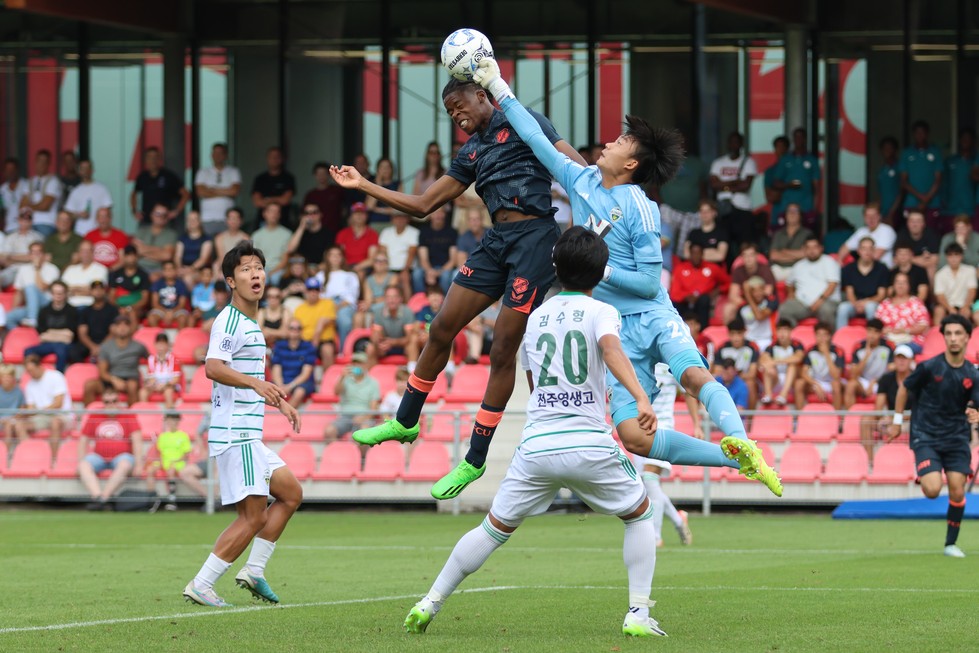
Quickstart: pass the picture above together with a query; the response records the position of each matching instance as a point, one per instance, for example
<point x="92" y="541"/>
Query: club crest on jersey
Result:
<point x="967" y="384"/>
<point x="520" y="285"/>
<point x="616" y="214"/>
<point x="503" y="135"/>
<point x="225" y="345"/>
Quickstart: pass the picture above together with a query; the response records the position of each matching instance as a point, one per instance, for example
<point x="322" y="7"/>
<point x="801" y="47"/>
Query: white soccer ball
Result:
<point x="462" y="51"/>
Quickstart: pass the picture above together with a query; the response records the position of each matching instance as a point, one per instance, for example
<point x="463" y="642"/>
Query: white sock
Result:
<point x="656" y="496"/>
<point x="259" y="556"/>
<point x="214" y="567"/>
<point x="469" y="554"/>
<point x="639" y="554"/>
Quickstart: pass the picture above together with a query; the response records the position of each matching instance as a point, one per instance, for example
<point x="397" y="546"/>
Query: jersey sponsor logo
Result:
<point x="503" y="135"/>
<point x="466" y="271"/>
<point x="482" y="430"/>
<point x="225" y="345"/>
<point x="924" y="464"/>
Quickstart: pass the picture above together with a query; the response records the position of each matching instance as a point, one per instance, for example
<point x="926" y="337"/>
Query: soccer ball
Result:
<point x="462" y="51"/>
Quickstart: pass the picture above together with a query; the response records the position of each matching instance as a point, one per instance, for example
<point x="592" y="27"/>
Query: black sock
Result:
<point x="487" y="419"/>
<point x="413" y="400"/>
<point x="954" y="517"/>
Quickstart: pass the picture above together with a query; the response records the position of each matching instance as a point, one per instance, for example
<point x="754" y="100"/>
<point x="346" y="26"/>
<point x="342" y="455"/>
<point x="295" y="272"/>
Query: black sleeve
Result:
<point x="73" y="318"/>
<point x="144" y="279"/>
<point x="918" y="378"/>
<point x="290" y="182"/>
<point x="42" y="320"/>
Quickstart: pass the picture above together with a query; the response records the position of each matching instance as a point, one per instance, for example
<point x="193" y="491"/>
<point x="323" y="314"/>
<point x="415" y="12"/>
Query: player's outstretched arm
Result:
<point x="620" y="367"/>
<point x="445" y="189"/>
<point x="219" y="371"/>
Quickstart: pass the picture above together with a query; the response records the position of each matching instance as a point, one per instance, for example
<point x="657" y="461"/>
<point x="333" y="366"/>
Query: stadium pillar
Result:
<point x="796" y="76"/>
<point x="84" y="92"/>
<point x="282" y="72"/>
<point x="701" y="133"/>
<point x="592" y="31"/>
<point x="174" y="145"/>
<point x="385" y="78"/>
<point x="831" y="161"/>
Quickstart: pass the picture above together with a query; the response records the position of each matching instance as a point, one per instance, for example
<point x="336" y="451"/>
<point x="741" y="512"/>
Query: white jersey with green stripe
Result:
<point x="566" y="410"/>
<point x="237" y="414"/>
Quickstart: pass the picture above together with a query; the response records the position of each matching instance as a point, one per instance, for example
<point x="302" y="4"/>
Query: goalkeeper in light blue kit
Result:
<point x="609" y="198"/>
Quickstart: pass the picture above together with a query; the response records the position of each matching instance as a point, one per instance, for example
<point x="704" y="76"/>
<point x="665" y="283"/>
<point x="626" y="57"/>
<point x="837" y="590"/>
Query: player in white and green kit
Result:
<point x="249" y="470"/>
<point x="566" y="442"/>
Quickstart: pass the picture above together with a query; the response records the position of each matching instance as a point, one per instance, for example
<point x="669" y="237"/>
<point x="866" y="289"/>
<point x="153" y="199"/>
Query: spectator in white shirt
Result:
<point x="217" y="187"/>
<point x="883" y="235"/>
<point x="343" y="287"/>
<point x="730" y="178"/>
<point x="400" y="241"/>
<point x="32" y="283"/>
<point x="15" y="249"/>
<point x="955" y="286"/>
<point x="813" y="286"/>
<point x="14" y="189"/>
<point x="79" y="277"/>
<point x="86" y="199"/>
<point x="44" y="194"/>
<point x="46" y="390"/>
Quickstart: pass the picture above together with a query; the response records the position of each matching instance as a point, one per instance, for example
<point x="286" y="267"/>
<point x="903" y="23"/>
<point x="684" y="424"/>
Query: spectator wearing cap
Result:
<point x="318" y="317"/>
<point x="109" y="441"/>
<point x="130" y="287"/>
<point x="95" y="323"/>
<point x="108" y="241"/>
<point x="886" y="395"/>
<point x="57" y="326"/>
<point x="955" y="286"/>
<point x="400" y="243"/>
<point x="871" y="360"/>
<point x="394" y="329"/>
<point x="359" y="393"/>
<point x="735" y="385"/>
<point x="358" y="241"/>
<point x="865" y="282"/>
<point x="293" y="362"/>
<point x="32" y="283"/>
<point x="436" y="253"/>
<point x="326" y="196"/>
<point x="119" y="358"/>
<point x="273" y="239"/>
<point x="80" y="276"/>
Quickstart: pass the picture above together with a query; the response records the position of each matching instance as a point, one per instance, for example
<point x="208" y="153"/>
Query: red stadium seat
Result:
<point x="3" y="457"/>
<point x="384" y="375"/>
<point x="77" y="374"/>
<point x="768" y="427"/>
<point x="186" y="342"/>
<point x="7" y="300"/>
<point x="441" y="428"/>
<point x="32" y="458"/>
<point x="200" y="387"/>
<point x="852" y="422"/>
<point x="800" y="463"/>
<point x="18" y="339"/>
<point x="146" y="336"/>
<point x="893" y="463"/>
<point x="469" y="384"/>
<point x="847" y="463"/>
<point x="682" y="421"/>
<point x="848" y="338"/>
<point x="353" y="337"/>
<point x="816" y="424"/>
<point x="330" y="377"/>
<point x="429" y="462"/>
<point x="276" y="427"/>
<point x="313" y="425"/>
<point x="417" y="302"/>
<point x="934" y="344"/>
<point x="66" y="461"/>
<point x="717" y="335"/>
<point x="385" y="462"/>
<point x="340" y="462"/>
<point x="805" y="334"/>
<point x="300" y="458"/>
<point x="972" y="349"/>
<point x="766" y="451"/>
<point x="151" y="423"/>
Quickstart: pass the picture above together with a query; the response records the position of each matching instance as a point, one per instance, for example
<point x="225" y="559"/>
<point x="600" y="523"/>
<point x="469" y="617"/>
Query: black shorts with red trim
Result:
<point x="952" y="458"/>
<point x="513" y="261"/>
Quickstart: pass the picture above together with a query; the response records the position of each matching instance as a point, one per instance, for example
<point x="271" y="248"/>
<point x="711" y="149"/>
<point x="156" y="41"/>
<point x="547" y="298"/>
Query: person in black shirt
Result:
<point x="274" y="186"/>
<point x="924" y="242"/>
<point x="57" y="324"/>
<point x="157" y="185"/>
<point x="436" y="253"/>
<point x="917" y="276"/>
<point x="94" y="324"/>
<point x="865" y="283"/>
<point x="945" y="390"/>
<point x="711" y="236"/>
<point x="130" y="286"/>
<point x="873" y="428"/>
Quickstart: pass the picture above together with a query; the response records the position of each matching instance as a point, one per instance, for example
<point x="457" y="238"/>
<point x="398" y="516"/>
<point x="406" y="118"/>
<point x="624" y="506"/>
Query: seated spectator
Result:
<point x="733" y="382"/>
<point x="479" y="333"/>
<point x="821" y="372"/>
<point x="310" y="239"/>
<point x="162" y="373"/>
<point x="357" y="240"/>
<point x="392" y="400"/>
<point x="696" y="284"/>
<point x="173" y="446"/>
<point x="293" y="362"/>
<point x="46" y="390"/>
<point x="393" y="330"/>
<point x="11" y="402"/>
<point x="918" y="278"/>
<point x="95" y="323"/>
<point x="222" y="296"/>
<point x="469" y="239"/>
<point x="274" y="318"/>
<point x="80" y="276"/>
<point x="155" y="242"/>
<point x="108" y="241"/>
<point x="744" y="355"/>
<point x="380" y="279"/>
<point x="86" y="198"/>
<point x="273" y="239"/>
<point x="904" y="316"/>
<point x="704" y="344"/>
<point x="129" y="287"/>
<point x="32" y="284"/>
<point x="924" y="242"/>
<point x="15" y="249"/>
<point x="318" y="317"/>
<point x="194" y="251"/>
<point x="109" y="440"/>
<point x="886" y="395"/>
<point x="328" y="197"/>
<point x="119" y="358"/>
<point x="195" y="471"/>
<point x="713" y="238"/>
<point x="780" y="365"/>
<point x="962" y="234"/>
<point x="170" y="300"/>
<point x="400" y="243"/>
<point x="882" y="235"/>
<point x="57" y="326"/>
<point x="870" y="361"/>
<point x="865" y="282"/>
<point x="955" y="287"/>
<point x="813" y="286"/>
<point x="750" y="266"/>
<point x="424" y="317"/>
<point x="436" y="253"/>
<point x="231" y="236"/>
<point x="61" y="247"/>
<point x="293" y="283"/>
<point x="758" y="315"/>
<point x="788" y="244"/>
<point x="202" y="296"/>
<point x="359" y="393"/>
<point x="342" y="287"/>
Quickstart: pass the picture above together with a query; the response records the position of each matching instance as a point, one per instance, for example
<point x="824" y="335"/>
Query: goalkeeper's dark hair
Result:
<point x="459" y="85"/>
<point x="233" y="258"/>
<point x="580" y="256"/>
<point x="659" y="152"/>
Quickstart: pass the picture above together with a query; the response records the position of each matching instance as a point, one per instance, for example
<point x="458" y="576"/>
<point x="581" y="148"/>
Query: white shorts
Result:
<point x="869" y="386"/>
<point x="606" y="480"/>
<point x="246" y="470"/>
<point x="827" y="386"/>
<point x="641" y="462"/>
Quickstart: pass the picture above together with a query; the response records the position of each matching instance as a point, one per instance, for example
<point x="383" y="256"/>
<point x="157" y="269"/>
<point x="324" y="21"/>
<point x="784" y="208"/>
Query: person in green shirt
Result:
<point x="62" y="246"/>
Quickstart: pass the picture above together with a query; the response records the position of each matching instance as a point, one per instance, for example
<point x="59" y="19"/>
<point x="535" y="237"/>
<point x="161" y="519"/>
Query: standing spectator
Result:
<point x="170" y="300"/>
<point x="431" y="170"/>
<point x="696" y="284"/>
<point x="960" y="186"/>
<point x="744" y="355"/>
<point x="394" y="329"/>
<point x="924" y="242"/>
<point x="380" y="213"/>
<point x="15" y="249"/>
<point x="273" y="239"/>
<point x="882" y="234"/>
<point x="108" y="241"/>
<point x="119" y="358"/>
<point x="32" y="284"/>
<point x="57" y="326"/>
<point x="436" y="253"/>
<point x="318" y="316"/>
<point x="921" y="167"/>
<point x="871" y="360"/>
<point x="80" y="276"/>
<point x="46" y="390"/>
<point x="865" y="283"/>
<point x="194" y="250"/>
<point x="95" y="322"/>
<point x="904" y="316"/>
<point x="731" y="177"/>
<point x="400" y="242"/>
<point x="363" y="166"/>
<point x="157" y="185"/>
<point x="955" y="287"/>
<point x="86" y="199"/>
<point x="759" y="313"/>
<point x="357" y="240"/>
<point x="469" y="239"/>
<point x="732" y="381"/>
<point x="713" y="238"/>
<point x="798" y="178"/>
<point x="773" y="195"/>
<point x="889" y="181"/>
<point x="12" y="399"/>
<point x="274" y="186"/>
<point x="788" y="243"/>
<point x="117" y="446"/>
<point x="310" y="239"/>
<point x="217" y="188"/>
<point x="380" y="279"/>
<point x="44" y="196"/>
<point x="962" y="234"/>
<point x="342" y="287"/>
<point x="821" y="372"/>
<point x="359" y="393"/>
<point x="918" y="278"/>
<point x="62" y="246"/>
<point x="780" y="365"/>
<point x="69" y="177"/>
<point x="274" y="318"/>
<point x="813" y="286"/>
<point x="328" y="198"/>
<point x="750" y="266"/>
<point x="14" y="189"/>
<point x="162" y="373"/>
<point x="155" y="242"/>
<point x="293" y="362"/>
<point x="227" y="239"/>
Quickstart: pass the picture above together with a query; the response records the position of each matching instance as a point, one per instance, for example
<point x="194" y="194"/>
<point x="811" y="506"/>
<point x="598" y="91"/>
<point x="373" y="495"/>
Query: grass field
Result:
<point x="112" y="582"/>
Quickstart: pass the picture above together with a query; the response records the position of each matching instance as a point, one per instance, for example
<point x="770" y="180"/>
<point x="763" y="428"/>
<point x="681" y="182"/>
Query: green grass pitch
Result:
<point x="113" y="582"/>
